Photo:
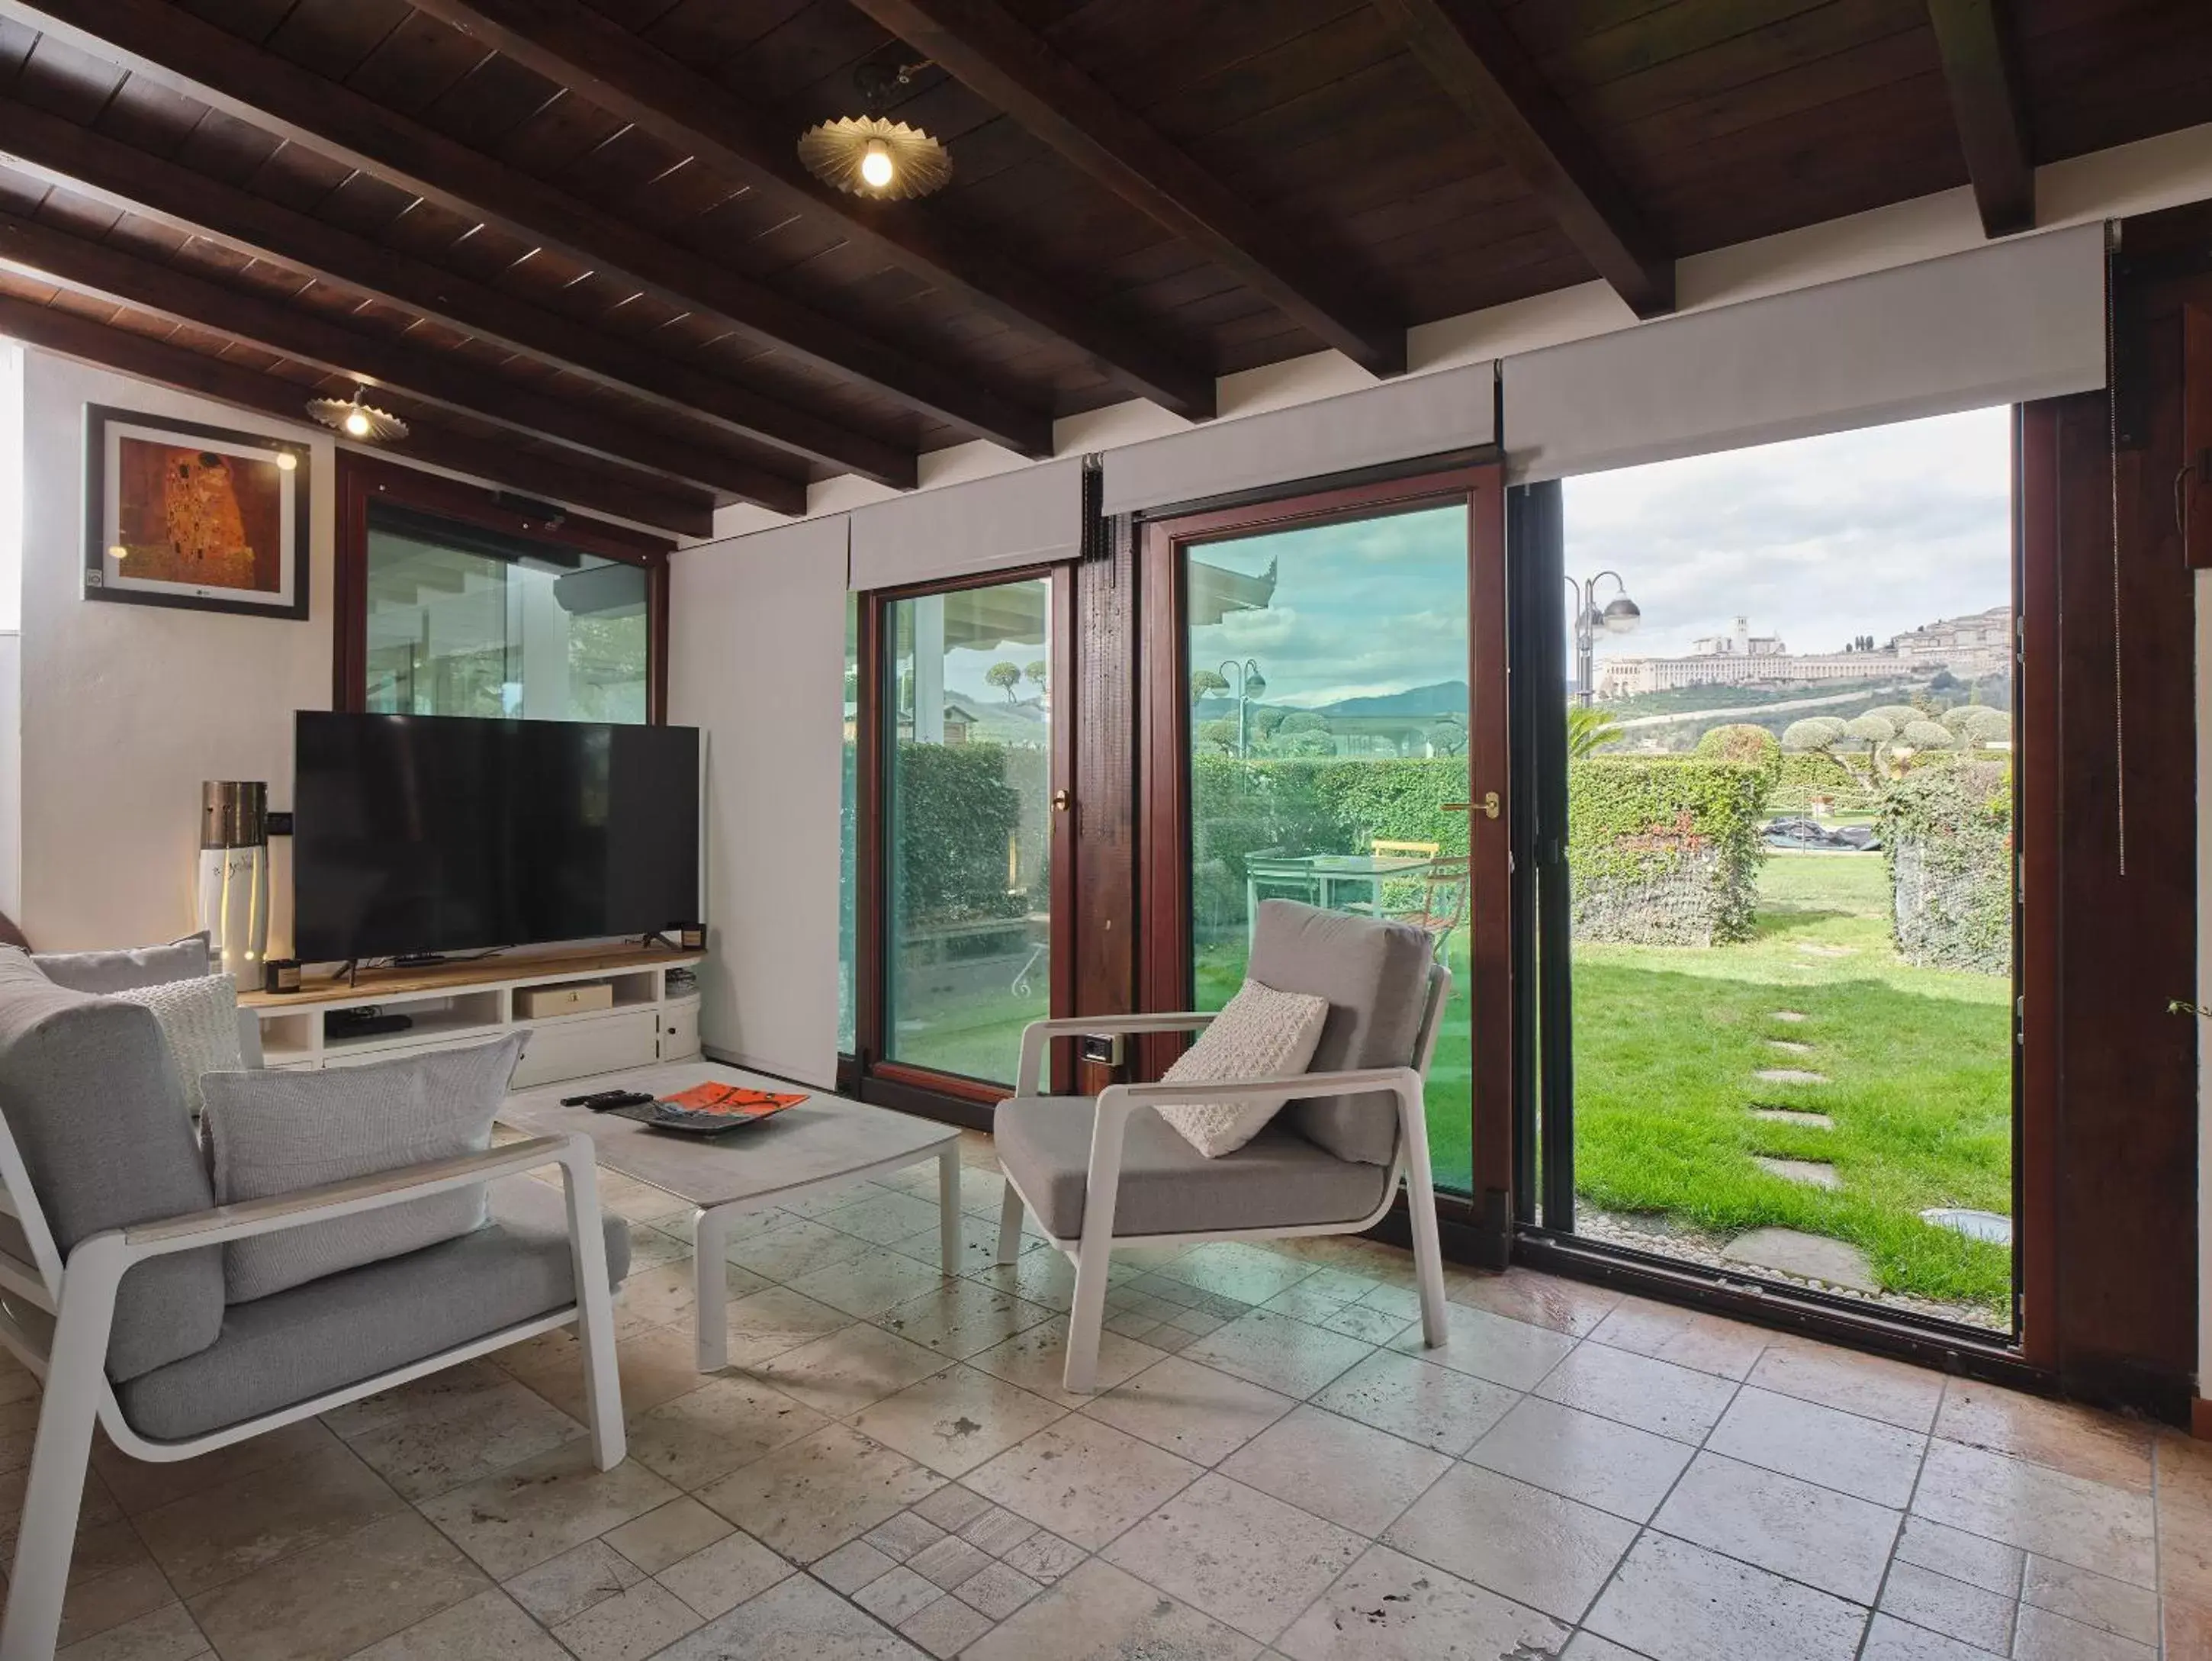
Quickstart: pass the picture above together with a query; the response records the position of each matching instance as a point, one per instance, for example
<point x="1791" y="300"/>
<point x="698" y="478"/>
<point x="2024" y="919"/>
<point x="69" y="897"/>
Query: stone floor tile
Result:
<point x="1540" y="1300"/>
<point x="97" y="1602"/>
<point x="667" y="1294"/>
<point x="1861" y="1456"/>
<point x="1416" y="1399"/>
<point x="794" y="1248"/>
<point x="1588" y="1646"/>
<point x="489" y="1627"/>
<point x="953" y="1508"/>
<point x="1036" y="1277"/>
<point x="1950" y="1607"/>
<point x="1673" y="1601"/>
<point x="222" y="1532"/>
<point x="640" y="1620"/>
<point x="337" y="1596"/>
<point x="1278" y="1353"/>
<point x="1365" y="1322"/>
<point x="2095" y="1600"/>
<point x="2043" y="1636"/>
<point x="443" y="1439"/>
<point x="949" y="1562"/>
<point x="1099" y="1613"/>
<point x="138" y="1485"/>
<point x="955" y="1420"/>
<point x="668" y="1535"/>
<point x="2097" y="1447"/>
<point x="1195" y="1411"/>
<point x="1036" y="1360"/>
<point x="946" y="1627"/>
<point x="1241" y="1556"/>
<point x="2087" y="1523"/>
<point x="849" y="1370"/>
<point x="729" y="1421"/>
<point x="1348" y="1473"/>
<point x="899" y="1537"/>
<point x="1688" y="1337"/>
<point x="657" y="1365"/>
<point x="1889" y="1639"/>
<point x="563" y="1587"/>
<point x="978" y="1242"/>
<point x="894" y="1596"/>
<point x="1654" y="1396"/>
<point x="1044" y="1557"/>
<point x="726" y="1574"/>
<point x="542" y="1507"/>
<point x="1085" y="1480"/>
<point x="960" y="1319"/>
<point x="1387" y="1607"/>
<point x="852" y="1565"/>
<point x="2187" y="1630"/>
<point x="1990" y="1564"/>
<point x="799" y="1619"/>
<point x="807" y="1499"/>
<point x="869" y="1284"/>
<point x="1487" y="1346"/>
<point x="775" y="1321"/>
<point x="882" y="1217"/>
<point x="1599" y="1462"/>
<point x="164" y="1634"/>
<point x="1538" y="1549"/>
<point x="1833" y="1540"/>
<point x="997" y="1530"/>
<point x="998" y="1589"/>
<point x="1232" y="1269"/>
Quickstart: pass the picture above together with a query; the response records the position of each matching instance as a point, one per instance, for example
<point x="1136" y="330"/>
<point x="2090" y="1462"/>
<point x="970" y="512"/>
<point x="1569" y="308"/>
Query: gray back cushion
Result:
<point x="1376" y="976"/>
<point x="98" y="1112"/>
<point x="123" y="971"/>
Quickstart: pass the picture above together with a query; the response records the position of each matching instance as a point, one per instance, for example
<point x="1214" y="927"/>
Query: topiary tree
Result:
<point x="1205" y="681"/>
<point x="1897" y="714"/>
<point x="1305" y="734"/>
<point x="1957" y="716"/>
<point x="1926" y="735"/>
<point x="1753" y="746"/>
<point x="1003" y="676"/>
<point x="1038" y="672"/>
<point x="1873" y="730"/>
<point x="1814" y="733"/>
<point x="1448" y="737"/>
<point x="1987" y="726"/>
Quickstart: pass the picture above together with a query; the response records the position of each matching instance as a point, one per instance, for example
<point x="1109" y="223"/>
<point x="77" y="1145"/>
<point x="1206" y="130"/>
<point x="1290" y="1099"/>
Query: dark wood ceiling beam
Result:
<point x="1473" y="55"/>
<point x="620" y="491"/>
<point x="1009" y="65"/>
<point x="169" y="46"/>
<point x="431" y="376"/>
<point x="81" y="160"/>
<point x="1975" y="43"/>
<point x="572" y="45"/>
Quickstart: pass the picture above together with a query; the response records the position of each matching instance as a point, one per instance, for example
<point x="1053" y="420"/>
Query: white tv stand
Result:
<point x="457" y="1003"/>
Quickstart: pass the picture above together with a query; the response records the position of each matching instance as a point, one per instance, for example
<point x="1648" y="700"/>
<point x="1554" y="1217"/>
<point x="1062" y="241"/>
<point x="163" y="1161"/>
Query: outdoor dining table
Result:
<point x="1319" y="879"/>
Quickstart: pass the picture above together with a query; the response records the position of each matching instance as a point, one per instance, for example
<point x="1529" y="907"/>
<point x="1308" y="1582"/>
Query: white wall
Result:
<point x="126" y="708"/>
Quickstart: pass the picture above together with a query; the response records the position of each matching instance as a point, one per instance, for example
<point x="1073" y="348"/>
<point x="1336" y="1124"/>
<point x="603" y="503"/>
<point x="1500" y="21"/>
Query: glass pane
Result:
<point x="1789" y="828"/>
<point x="847" y="841"/>
<point x="464" y="621"/>
<point x="1329" y="731"/>
<point x="968" y="826"/>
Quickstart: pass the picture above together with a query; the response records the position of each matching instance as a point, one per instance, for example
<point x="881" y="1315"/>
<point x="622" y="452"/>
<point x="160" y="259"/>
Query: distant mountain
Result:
<point x="1445" y="697"/>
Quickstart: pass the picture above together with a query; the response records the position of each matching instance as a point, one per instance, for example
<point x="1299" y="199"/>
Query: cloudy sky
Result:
<point x="1873" y="532"/>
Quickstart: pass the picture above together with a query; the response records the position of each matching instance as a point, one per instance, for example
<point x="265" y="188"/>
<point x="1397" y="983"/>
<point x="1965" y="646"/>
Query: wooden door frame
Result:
<point x="1164" y="972"/>
<point x="873" y="1076"/>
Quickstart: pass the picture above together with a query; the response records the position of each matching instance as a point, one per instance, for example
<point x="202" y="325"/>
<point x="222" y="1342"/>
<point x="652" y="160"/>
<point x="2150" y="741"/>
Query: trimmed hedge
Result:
<point x="1947" y="838"/>
<point x="1665" y="849"/>
<point x="956" y="813"/>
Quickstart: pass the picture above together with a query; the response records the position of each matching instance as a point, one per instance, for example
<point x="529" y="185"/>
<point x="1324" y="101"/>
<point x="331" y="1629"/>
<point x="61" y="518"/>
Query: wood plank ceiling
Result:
<point x="570" y="241"/>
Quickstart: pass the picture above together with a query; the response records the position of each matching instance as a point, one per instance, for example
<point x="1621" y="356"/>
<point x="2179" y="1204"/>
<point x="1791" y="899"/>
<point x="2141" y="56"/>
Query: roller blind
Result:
<point x="1998" y="325"/>
<point x="1418" y="416"/>
<point x="756" y="661"/>
<point x="1028" y="517"/>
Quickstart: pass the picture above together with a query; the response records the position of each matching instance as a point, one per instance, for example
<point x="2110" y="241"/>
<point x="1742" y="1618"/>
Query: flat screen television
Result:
<point x="414" y="835"/>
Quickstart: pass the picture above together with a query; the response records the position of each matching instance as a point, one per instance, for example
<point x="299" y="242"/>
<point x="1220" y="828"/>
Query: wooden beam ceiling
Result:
<point x="572" y="45"/>
<point x="1473" y="55"/>
<point x="436" y="377"/>
<point x="601" y="487"/>
<point x="1975" y="42"/>
<point x="81" y="159"/>
<point x="1009" y="65"/>
<point x="171" y="46"/>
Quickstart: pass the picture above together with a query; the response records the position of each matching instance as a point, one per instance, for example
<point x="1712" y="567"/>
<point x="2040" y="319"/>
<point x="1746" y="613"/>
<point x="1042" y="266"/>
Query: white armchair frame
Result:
<point x="1093" y="1251"/>
<point x="79" y="1294"/>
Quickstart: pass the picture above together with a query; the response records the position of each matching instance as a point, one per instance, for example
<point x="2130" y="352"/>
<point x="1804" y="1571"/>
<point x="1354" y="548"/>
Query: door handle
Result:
<point x="1490" y="803"/>
<point x="1060" y="800"/>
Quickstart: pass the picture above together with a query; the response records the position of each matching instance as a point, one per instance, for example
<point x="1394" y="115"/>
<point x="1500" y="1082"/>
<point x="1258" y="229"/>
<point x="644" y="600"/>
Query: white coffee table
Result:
<point x="826" y="1142"/>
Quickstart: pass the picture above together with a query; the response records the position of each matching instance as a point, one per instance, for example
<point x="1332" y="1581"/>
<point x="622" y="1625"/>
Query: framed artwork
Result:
<point x="180" y="514"/>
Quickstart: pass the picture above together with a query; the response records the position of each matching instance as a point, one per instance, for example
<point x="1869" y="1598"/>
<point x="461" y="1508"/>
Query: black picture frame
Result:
<point x="291" y="464"/>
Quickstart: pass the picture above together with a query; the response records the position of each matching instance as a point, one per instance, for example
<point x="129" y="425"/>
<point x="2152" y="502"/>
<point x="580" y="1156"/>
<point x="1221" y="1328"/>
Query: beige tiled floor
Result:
<point x="890" y="1470"/>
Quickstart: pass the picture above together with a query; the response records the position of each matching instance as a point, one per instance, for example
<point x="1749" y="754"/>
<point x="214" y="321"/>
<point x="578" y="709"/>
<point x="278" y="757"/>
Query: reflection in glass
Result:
<point x="1328" y="685"/>
<point x="969" y="809"/>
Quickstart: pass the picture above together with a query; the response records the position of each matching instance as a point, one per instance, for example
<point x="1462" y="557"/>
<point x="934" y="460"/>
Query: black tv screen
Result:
<point x="417" y="834"/>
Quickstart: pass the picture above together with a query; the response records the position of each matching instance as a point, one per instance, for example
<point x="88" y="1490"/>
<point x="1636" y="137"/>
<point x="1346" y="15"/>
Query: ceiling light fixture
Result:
<point x="871" y="155"/>
<point x="357" y="419"/>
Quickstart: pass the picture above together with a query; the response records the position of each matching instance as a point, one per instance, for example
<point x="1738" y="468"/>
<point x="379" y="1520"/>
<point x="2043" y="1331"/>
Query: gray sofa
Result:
<point x="112" y="1274"/>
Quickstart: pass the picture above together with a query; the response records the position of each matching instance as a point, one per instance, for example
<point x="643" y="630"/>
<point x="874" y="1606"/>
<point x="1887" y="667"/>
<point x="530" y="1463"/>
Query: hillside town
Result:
<point x="1969" y="646"/>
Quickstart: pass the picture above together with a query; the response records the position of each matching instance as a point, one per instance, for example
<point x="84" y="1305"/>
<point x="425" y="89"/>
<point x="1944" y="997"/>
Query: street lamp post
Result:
<point x="1619" y="617"/>
<point x="1250" y="683"/>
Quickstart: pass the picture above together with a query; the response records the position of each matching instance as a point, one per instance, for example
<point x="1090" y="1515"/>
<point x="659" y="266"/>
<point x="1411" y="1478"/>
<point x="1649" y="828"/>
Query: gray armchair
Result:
<point x="1111" y="1172"/>
<point x="112" y="1286"/>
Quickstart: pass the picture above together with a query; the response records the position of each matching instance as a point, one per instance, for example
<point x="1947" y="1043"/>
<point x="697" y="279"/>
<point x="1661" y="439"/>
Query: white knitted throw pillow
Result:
<point x="1261" y="1033"/>
<point x="199" y="1019"/>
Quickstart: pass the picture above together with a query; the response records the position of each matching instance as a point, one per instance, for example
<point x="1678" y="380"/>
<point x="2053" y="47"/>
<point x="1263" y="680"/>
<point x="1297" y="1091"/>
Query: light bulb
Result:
<point x="287" y="462"/>
<point x="876" y="164"/>
<point x="119" y="551"/>
<point x="357" y="424"/>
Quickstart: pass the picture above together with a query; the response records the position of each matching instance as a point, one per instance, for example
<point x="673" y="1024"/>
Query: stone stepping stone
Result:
<point x="1787" y="1015"/>
<point x="1813" y="1173"/>
<point x="1974" y="1225"/>
<point x="1788" y="1075"/>
<point x="1815" y="1256"/>
<point x="1792" y="1115"/>
<point x="1790" y="1046"/>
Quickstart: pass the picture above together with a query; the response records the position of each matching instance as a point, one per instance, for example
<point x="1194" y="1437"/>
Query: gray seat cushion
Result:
<point x="1277" y="1180"/>
<point x="1375" y="975"/>
<point x="98" y="1112"/>
<point x="122" y="972"/>
<point x="296" y="1345"/>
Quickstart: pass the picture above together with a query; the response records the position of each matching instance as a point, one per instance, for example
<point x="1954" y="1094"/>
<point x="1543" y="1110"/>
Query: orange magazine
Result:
<point x="731" y="1101"/>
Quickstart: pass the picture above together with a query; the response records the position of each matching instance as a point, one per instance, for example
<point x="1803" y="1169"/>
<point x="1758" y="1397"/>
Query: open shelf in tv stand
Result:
<point x="466" y="1002"/>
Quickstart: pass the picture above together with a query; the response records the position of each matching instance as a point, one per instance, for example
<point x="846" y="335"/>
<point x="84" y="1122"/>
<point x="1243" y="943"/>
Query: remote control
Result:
<point x="600" y="1101"/>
